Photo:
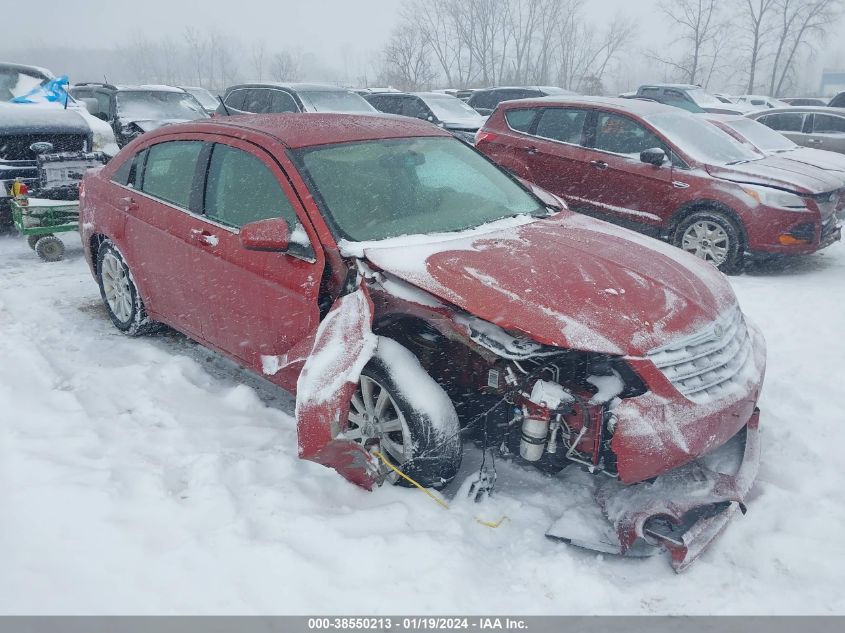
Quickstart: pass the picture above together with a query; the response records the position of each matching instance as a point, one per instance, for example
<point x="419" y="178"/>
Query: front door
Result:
<point x="252" y="303"/>
<point x="619" y="184"/>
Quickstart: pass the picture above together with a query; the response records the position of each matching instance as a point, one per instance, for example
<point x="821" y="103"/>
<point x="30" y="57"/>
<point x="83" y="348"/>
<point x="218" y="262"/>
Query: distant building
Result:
<point x="833" y="82"/>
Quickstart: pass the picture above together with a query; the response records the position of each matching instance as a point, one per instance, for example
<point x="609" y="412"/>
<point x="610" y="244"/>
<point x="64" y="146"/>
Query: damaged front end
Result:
<point x="668" y="441"/>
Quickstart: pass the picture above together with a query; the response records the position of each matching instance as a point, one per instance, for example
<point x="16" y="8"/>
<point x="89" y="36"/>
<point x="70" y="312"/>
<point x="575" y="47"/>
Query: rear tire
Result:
<point x="119" y="293"/>
<point x="50" y="248"/>
<point x="421" y="439"/>
<point x="713" y="236"/>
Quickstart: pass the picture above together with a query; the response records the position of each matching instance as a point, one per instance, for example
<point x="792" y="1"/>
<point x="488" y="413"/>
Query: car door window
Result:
<point x="562" y="124"/>
<point x="129" y="172"/>
<point x="281" y="101"/>
<point x="621" y="135"/>
<point x="236" y="99"/>
<point x="828" y="124"/>
<point x="391" y="105"/>
<point x="414" y="107"/>
<point x="256" y="100"/>
<point x="521" y="120"/>
<point x="785" y="122"/>
<point x="241" y="189"/>
<point x="169" y="171"/>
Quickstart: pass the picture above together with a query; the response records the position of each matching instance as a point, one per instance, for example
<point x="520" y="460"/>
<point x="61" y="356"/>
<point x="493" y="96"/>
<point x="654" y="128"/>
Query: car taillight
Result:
<point x="485" y="136"/>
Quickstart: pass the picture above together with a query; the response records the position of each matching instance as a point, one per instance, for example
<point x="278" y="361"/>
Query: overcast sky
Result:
<point x="332" y="29"/>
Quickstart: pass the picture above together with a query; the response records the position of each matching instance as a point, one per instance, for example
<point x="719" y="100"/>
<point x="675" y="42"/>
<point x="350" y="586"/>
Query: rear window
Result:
<point x="520" y="120"/>
<point x="170" y="169"/>
<point x="786" y="122"/>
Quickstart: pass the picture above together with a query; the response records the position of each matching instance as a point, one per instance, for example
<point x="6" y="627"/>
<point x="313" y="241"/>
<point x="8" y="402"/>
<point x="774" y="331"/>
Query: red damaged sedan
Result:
<point x="414" y="295"/>
<point x="668" y="173"/>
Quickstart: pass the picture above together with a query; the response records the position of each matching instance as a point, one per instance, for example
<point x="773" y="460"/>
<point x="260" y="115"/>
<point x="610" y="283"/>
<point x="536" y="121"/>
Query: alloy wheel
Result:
<point x="707" y="240"/>
<point x="117" y="287"/>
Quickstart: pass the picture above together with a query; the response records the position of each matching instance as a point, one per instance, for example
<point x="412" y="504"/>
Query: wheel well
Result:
<point x="708" y="205"/>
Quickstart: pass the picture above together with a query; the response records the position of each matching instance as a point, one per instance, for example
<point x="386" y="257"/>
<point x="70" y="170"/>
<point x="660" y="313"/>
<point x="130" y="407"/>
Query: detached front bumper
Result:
<point x="682" y="511"/>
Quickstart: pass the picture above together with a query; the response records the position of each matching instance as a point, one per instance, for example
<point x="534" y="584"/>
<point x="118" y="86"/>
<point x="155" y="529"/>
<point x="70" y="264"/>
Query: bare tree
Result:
<point x="258" y="55"/>
<point x="406" y="59"/>
<point x="285" y="67"/>
<point x="756" y="14"/>
<point x="802" y="24"/>
<point x="698" y="25"/>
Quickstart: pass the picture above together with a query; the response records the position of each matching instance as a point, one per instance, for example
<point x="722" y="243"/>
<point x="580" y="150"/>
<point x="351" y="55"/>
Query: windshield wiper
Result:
<point x="739" y="162"/>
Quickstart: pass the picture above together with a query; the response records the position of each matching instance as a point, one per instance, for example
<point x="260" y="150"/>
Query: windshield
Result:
<point x="760" y="136"/>
<point x="373" y="190"/>
<point x="141" y="105"/>
<point x="15" y="83"/>
<point x="704" y="99"/>
<point x="206" y="99"/>
<point x="701" y="140"/>
<point x="336" y="101"/>
<point x="446" y="108"/>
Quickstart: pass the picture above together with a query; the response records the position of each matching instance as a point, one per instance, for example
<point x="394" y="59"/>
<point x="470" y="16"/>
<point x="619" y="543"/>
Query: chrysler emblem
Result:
<point x="41" y="147"/>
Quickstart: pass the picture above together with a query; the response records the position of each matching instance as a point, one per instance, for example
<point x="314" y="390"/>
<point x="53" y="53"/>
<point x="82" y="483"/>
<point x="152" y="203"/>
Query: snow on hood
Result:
<point x="26" y="119"/>
<point x="568" y="281"/>
<point x="148" y="125"/>
<point x="773" y="171"/>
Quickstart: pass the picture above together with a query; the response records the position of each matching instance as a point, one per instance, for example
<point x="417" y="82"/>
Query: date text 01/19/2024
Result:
<point x="416" y="624"/>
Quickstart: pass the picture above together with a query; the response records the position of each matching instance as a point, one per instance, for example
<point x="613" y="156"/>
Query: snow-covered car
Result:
<point x="132" y="110"/>
<point x="207" y="100"/>
<point x="413" y="294"/>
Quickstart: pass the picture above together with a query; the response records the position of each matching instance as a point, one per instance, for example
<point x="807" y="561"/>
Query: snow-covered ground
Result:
<point x="152" y="476"/>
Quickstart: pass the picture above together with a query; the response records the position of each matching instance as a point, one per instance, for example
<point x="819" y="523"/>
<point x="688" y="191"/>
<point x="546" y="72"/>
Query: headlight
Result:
<point x="776" y="198"/>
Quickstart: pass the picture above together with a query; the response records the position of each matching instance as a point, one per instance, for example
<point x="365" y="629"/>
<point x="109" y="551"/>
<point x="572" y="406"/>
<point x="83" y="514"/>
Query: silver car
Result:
<point x="816" y="127"/>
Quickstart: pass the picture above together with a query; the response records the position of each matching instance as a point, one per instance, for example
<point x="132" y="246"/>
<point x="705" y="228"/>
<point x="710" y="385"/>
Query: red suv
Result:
<point x="412" y="292"/>
<point x="666" y="172"/>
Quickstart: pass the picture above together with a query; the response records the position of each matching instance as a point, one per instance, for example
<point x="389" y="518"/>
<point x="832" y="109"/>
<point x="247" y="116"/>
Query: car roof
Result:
<point x="674" y="86"/>
<point x="26" y="68"/>
<point x="297" y="130"/>
<point x="296" y="86"/>
<point x="638" y="107"/>
<point x="801" y="109"/>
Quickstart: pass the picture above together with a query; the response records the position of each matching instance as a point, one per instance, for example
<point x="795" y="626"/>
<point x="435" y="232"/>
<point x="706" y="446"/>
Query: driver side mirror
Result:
<point x="653" y="156"/>
<point x="271" y="235"/>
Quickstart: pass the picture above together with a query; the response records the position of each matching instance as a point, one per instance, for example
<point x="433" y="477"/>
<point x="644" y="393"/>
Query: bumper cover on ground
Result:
<point x="682" y="511"/>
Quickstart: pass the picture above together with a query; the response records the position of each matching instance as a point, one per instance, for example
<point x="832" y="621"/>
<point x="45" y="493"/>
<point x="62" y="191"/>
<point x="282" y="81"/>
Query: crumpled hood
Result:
<point x="780" y="173"/>
<point x="148" y="125"/>
<point x="568" y="281"/>
<point x="471" y="123"/>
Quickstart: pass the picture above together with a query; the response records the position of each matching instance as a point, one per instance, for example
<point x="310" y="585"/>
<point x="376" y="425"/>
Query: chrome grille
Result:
<point x="705" y="365"/>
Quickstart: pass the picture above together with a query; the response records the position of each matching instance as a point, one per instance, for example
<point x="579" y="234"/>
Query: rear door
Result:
<point x="252" y="302"/>
<point x="828" y="132"/>
<point x="555" y="157"/>
<point x="794" y="125"/>
<point x="160" y="193"/>
<point x="617" y="183"/>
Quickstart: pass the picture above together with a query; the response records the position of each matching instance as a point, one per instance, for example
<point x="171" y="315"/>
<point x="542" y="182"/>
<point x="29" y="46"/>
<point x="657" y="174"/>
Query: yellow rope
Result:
<point x="445" y="505"/>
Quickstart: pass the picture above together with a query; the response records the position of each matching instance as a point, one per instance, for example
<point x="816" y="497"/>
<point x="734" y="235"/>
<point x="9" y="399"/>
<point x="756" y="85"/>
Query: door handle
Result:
<point x="129" y="203"/>
<point x="204" y="237"/>
<point x="598" y="164"/>
<point x="814" y="141"/>
<point x="531" y="151"/>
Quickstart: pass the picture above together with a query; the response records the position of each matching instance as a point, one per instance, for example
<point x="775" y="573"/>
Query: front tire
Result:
<point x="393" y="409"/>
<point x="713" y="236"/>
<point x="119" y="293"/>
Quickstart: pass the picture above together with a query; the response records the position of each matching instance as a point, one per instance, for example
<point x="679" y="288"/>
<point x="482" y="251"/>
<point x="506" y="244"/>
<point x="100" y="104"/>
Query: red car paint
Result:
<point x="622" y="188"/>
<point x="568" y="282"/>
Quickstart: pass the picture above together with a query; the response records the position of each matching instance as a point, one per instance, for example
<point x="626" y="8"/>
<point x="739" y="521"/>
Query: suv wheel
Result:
<point x="120" y="296"/>
<point x="713" y="237"/>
